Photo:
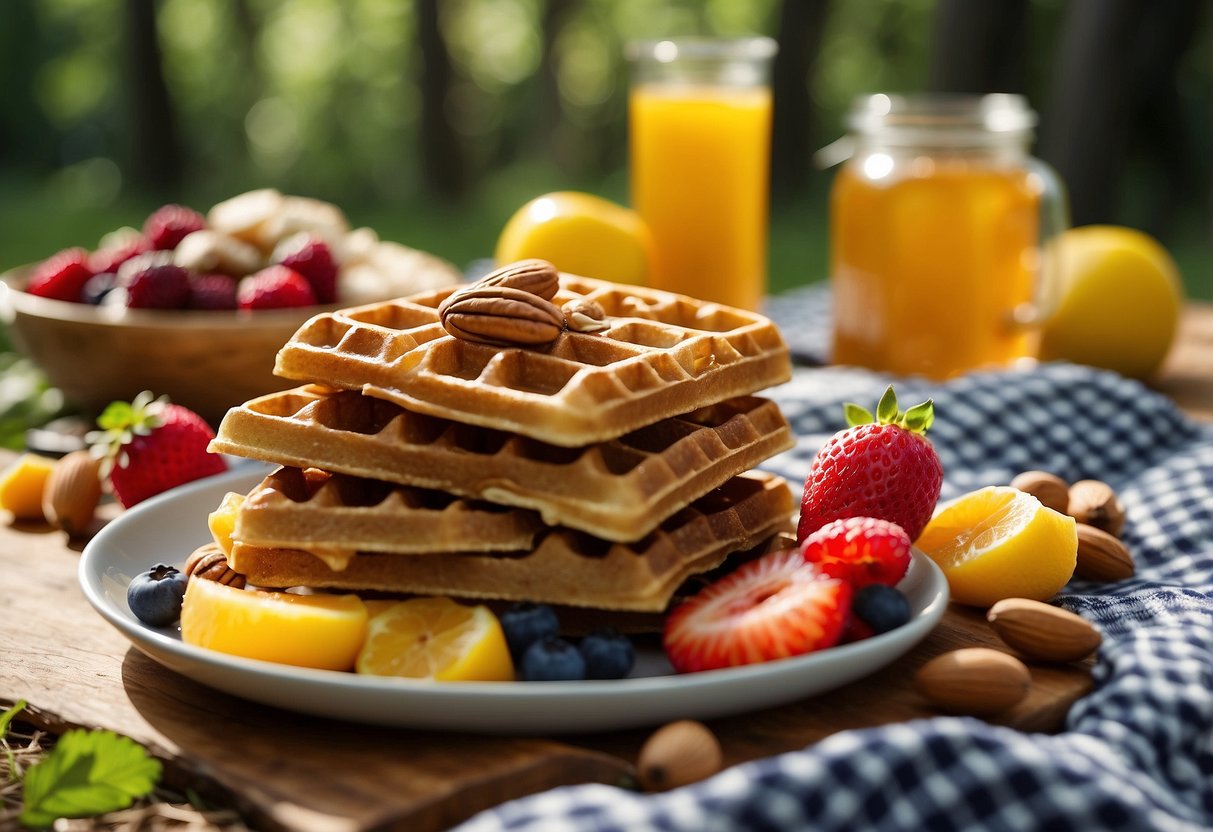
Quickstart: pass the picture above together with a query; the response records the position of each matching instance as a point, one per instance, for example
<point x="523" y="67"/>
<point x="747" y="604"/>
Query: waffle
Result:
<point x="564" y="567"/>
<point x="335" y="514"/>
<point x="663" y="354"/>
<point x="618" y="490"/>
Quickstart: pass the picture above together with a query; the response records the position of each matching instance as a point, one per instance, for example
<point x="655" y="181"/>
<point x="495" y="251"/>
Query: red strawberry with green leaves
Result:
<point x="150" y="446"/>
<point x="860" y="550"/>
<point x="770" y="608"/>
<point x="882" y="466"/>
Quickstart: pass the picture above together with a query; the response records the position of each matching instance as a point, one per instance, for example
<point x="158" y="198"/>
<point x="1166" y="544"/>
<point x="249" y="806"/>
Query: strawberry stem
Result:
<point x="918" y="419"/>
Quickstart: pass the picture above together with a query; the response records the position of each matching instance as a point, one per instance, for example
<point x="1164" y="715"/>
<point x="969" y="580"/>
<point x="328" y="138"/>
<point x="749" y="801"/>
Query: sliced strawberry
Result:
<point x="774" y="607"/>
<point x="151" y="446"/>
<point x="860" y="551"/>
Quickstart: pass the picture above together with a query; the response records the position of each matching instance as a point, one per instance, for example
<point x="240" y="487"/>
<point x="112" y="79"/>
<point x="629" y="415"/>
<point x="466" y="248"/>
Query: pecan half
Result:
<point x="501" y="316"/>
<point x="539" y="277"/>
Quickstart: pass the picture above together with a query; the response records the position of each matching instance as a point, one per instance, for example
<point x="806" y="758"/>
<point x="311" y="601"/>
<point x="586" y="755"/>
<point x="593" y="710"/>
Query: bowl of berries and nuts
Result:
<point x="197" y="305"/>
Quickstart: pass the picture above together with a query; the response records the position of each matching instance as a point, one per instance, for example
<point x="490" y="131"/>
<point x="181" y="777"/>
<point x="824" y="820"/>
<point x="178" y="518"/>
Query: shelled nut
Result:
<point x="976" y="681"/>
<point x="1052" y="491"/>
<point x="1043" y="632"/>
<point x="1095" y="503"/>
<point x="1102" y="557"/>
<point x="677" y="754"/>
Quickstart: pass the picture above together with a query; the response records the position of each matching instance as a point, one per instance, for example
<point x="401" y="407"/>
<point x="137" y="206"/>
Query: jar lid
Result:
<point x="941" y="118"/>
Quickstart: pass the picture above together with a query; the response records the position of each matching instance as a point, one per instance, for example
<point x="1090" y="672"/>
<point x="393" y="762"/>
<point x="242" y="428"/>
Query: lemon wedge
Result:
<point x="436" y="638"/>
<point x="1000" y="542"/>
<point x="579" y="233"/>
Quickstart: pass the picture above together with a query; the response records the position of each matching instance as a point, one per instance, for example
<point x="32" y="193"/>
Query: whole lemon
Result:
<point x="581" y="234"/>
<point x="1119" y="298"/>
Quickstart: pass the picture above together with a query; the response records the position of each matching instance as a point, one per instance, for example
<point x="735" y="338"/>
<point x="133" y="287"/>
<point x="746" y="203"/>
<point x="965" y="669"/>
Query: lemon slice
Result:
<point x="579" y="233"/>
<point x="1000" y="542"/>
<point x="436" y="638"/>
<point x="321" y="631"/>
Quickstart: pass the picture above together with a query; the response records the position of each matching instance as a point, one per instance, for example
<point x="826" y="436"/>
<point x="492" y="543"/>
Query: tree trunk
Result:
<point x="979" y="48"/>
<point x="441" y="150"/>
<point x="799" y="36"/>
<point x="155" y="151"/>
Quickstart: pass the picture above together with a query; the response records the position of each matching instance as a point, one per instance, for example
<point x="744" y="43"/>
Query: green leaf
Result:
<point x="7" y="717"/>
<point x="886" y="410"/>
<point x="920" y="417"/>
<point x="856" y="415"/>
<point x="87" y="773"/>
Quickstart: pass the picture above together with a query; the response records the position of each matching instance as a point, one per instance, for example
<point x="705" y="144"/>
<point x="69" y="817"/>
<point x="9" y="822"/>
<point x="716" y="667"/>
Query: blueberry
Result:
<point x="552" y="659"/>
<point x="524" y="624"/>
<point x="881" y="607"/>
<point x="155" y="596"/>
<point x="608" y="654"/>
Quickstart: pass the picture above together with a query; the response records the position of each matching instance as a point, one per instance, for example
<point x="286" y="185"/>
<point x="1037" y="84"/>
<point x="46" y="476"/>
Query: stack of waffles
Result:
<point x="599" y="471"/>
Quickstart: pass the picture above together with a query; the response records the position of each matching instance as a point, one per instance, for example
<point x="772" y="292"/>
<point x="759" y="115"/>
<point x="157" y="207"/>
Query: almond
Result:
<point x="976" y="680"/>
<point x="1102" y="557"/>
<point x="539" y="277"/>
<point x="1050" y="489"/>
<point x="73" y="492"/>
<point x="1095" y="503"/>
<point x="501" y="316"/>
<point x="1043" y="632"/>
<point x="677" y="754"/>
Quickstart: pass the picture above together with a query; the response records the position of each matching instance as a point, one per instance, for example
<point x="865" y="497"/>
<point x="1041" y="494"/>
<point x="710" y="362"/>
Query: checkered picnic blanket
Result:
<point x="1137" y="753"/>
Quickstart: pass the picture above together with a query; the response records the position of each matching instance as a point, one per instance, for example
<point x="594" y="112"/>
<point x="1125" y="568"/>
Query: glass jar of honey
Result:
<point x="939" y="228"/>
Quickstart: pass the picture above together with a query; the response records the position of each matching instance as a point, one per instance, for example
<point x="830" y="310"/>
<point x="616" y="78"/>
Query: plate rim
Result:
<point x="154" y="642"/>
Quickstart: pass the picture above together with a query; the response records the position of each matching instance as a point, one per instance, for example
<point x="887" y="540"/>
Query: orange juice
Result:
<point x="930" y="264"/>
<point x="699" y="169"/>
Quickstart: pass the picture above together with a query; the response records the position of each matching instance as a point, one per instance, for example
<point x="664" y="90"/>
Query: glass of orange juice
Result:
<point x="699" y="127"/>
<point x="939" y="229"/>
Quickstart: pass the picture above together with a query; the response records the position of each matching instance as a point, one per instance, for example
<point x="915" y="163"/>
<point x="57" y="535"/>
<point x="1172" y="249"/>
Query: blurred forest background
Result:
<point x="433" y="120"/>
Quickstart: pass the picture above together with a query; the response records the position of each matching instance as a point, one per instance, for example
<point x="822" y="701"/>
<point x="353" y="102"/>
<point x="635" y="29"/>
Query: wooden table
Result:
<point x="287" y="771"/>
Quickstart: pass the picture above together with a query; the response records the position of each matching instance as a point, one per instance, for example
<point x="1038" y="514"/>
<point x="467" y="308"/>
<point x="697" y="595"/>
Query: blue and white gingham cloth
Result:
<point x="1136" y="753"/>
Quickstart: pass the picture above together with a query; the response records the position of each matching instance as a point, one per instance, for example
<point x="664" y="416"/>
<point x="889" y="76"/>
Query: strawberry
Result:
<point x="883" y="467"/>
<point x="212" y="291"/>
<point x="275" y="287"/>
<point x="860" y="551"/>
<point x="150" y="446"/>
<point x="170" y="224"/>
<point x="770" y="608"/>
<point x="311" y="257"/>
<point x="61" y="276"/>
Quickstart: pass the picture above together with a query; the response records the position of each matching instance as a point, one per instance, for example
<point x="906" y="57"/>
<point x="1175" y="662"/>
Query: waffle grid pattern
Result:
<point x="664" y="354"/>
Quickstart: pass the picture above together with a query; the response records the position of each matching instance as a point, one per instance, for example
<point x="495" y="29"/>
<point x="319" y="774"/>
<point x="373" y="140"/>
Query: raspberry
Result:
<point x="311" y="257"/>
<point x="158" y="287"/>
<point x="275" y="287"/>
<point x="110" y="257"/>
<point x="61" y="276"/>
<point x="860" y="550"/>
<point x="170" y="224"/>
<point x="212" y="291"/>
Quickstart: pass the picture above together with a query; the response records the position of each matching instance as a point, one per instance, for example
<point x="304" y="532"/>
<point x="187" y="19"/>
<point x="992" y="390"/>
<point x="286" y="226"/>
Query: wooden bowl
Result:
<point x="206" y="361"/>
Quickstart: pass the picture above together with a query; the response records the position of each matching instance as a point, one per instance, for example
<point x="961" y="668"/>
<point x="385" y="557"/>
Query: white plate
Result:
<point x="167" y="528"/>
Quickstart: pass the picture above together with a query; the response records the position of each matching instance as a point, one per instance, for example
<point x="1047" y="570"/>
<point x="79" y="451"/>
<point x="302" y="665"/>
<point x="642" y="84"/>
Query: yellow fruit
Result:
<point x="1000" y="542"/>
<point x="321" y="631"/>
<point x="1118" y="301"/>
<point x="22" y="484"/>
<point x="222" y="521"/>
<point x="436" y="638"/>
<point x="581" y="234"/>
